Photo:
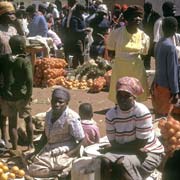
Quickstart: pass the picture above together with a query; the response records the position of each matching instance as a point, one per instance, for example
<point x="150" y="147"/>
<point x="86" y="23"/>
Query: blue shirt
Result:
<point x="166" y="65"/>
<point x="38" y="26"/>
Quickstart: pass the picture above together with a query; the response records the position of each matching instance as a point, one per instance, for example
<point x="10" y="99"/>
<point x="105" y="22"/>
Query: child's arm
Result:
<point x="29" y="79"/>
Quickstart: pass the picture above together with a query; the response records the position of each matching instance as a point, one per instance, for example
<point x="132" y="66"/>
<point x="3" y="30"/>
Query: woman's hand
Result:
<point x="59" y="151"/>
<point x="174" y="98"/>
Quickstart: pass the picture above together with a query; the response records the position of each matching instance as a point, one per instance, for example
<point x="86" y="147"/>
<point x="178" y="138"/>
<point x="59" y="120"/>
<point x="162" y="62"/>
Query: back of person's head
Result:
<point x="79" y="9"/>
<point x="31" y="9"/>
<point x="42" y="8"/>
<point x="171" y="169"/>
<point x="17" y="44"/>
<point x="147" y="7"/>
<point x="168" y="9"/>
<point x="85" y="111"/>
<point x="169" y="26"/>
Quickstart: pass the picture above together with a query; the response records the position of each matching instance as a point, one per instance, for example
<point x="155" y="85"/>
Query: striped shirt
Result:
<point x="136" y="123"/>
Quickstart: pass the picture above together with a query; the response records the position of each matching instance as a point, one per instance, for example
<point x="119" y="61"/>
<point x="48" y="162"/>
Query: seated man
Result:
<point x="63" y="136"/>
<point x="134" y="147"/>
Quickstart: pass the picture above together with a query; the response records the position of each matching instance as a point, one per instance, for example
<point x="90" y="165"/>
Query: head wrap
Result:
<point x="130" y="85"/>
<point x="117" y="6"/>
<point x="62" y="93"/>
<point x="124" y="7"/>
<point x="102" y="8"/>
<point x="133" y="11"/>
<point x="6" y="7"/>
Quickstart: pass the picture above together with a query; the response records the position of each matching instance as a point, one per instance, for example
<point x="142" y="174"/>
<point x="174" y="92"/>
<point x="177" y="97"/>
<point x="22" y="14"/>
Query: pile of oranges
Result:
<point x="170" y="130"/>
<point x="7" y="173"/>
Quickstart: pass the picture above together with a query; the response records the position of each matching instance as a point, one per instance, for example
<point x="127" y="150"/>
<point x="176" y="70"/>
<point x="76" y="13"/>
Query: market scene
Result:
<point x="89" y="90"/>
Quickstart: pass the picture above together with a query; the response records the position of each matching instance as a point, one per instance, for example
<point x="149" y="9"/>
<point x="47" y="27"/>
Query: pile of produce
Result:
<point x="48" y="70"/>
<point x="12" y="173"/>
<point x="170" y="130"/>
<point x="92" y="75"/>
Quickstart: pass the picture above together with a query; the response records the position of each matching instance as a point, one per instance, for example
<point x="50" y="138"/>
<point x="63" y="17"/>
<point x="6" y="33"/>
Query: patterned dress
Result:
<point x="63" y="133"/>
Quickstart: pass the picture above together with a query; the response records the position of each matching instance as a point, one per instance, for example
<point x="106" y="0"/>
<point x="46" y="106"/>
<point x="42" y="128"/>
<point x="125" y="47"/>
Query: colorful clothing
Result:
<point x="128" y="126"/>
<point x="63" y="133"/>
<point x="38" y="26"/>
<point x="128" y="48"/>
<point x="160" y="100"/>
<point x="91" y="130"/>
<point x="166" y="76"/>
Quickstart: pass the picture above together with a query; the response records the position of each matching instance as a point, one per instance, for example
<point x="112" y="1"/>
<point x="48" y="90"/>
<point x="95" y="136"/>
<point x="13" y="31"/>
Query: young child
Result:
<point x="17" y="89"/>
<point x="91" y="130"/>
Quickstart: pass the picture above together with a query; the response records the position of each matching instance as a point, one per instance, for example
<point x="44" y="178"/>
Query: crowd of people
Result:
<point x="128" y="37"/>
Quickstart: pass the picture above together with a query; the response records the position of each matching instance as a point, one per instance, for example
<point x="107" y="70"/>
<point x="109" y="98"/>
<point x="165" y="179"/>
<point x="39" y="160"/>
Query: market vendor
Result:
<point x="134" y="145"/>
<point x="63" y="135"/>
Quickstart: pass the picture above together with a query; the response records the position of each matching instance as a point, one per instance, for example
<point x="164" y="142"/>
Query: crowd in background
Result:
<point x="128" y="36"/>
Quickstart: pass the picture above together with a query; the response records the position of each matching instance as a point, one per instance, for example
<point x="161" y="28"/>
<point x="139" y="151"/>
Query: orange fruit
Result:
<point x="4" y="177"/>
<point x="11" y="176"/>
<point x="1" y="171"/>
<point x="1" y="164"/>
<point x="5" y="168"/>
<point x="171" y="132"/>
<point x="173" y="140"/>
<point x="15" y="169"/>
<point x="21" y="173"/>
<point x="169" y="124"/>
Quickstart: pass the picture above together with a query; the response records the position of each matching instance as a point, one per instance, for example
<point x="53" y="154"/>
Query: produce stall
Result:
<point x="11" y="173"/>
<point x="170" y="131"/>
<point x="92" y="76"/>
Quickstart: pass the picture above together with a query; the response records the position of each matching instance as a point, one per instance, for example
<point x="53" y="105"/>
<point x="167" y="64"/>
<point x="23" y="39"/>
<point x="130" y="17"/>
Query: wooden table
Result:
<point x="33" y="50"/>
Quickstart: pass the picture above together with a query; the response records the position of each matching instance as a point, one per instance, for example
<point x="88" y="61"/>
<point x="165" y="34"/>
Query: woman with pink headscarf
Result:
<point x="135" y="149"/>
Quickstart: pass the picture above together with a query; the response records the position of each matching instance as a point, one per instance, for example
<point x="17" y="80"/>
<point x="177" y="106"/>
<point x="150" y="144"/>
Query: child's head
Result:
<point x="17" y="44"/>
<point x="86" y="111"/>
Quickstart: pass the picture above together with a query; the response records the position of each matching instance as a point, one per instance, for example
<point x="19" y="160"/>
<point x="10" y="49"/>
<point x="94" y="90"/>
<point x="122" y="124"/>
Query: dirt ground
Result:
<point x="99" y="101"/>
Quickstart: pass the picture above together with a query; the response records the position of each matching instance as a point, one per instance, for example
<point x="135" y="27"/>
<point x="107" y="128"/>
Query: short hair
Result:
<point x="31" y="9"/>
<point x="168" y="9"/>
<point x="86" y="110"/>
<point x="17" y="44"/>
<point x="147" y="6"/>
<point x="61" y="92"/>
<point x="169" y="26"/>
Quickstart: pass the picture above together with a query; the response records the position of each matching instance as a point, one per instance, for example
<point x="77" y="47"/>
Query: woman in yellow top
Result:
<point x="125" y="45"/>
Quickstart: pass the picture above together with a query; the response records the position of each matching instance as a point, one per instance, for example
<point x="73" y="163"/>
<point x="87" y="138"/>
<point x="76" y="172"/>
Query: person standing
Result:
<point x="16" y="93"/>
<point x="125" y="45"/>
<point x="148" y="22"/>
<point x="7" y="16"/>
<point x="165" y="88"/>
<point x="37" y="23"/>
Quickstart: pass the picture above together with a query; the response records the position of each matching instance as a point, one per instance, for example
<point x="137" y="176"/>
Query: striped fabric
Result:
<point x="127" y="126"/>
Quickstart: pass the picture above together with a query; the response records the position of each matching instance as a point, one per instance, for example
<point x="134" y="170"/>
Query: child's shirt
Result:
<point x="17" y="77"/>
<point x="91" y="130"/>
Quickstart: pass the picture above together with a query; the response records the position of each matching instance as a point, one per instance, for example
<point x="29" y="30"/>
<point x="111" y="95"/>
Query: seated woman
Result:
<point x="63" y="134"/>
<point x="134" y="145"/>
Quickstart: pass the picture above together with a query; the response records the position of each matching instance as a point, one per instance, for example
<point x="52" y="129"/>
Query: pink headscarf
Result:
<point x="130" y="85"/>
